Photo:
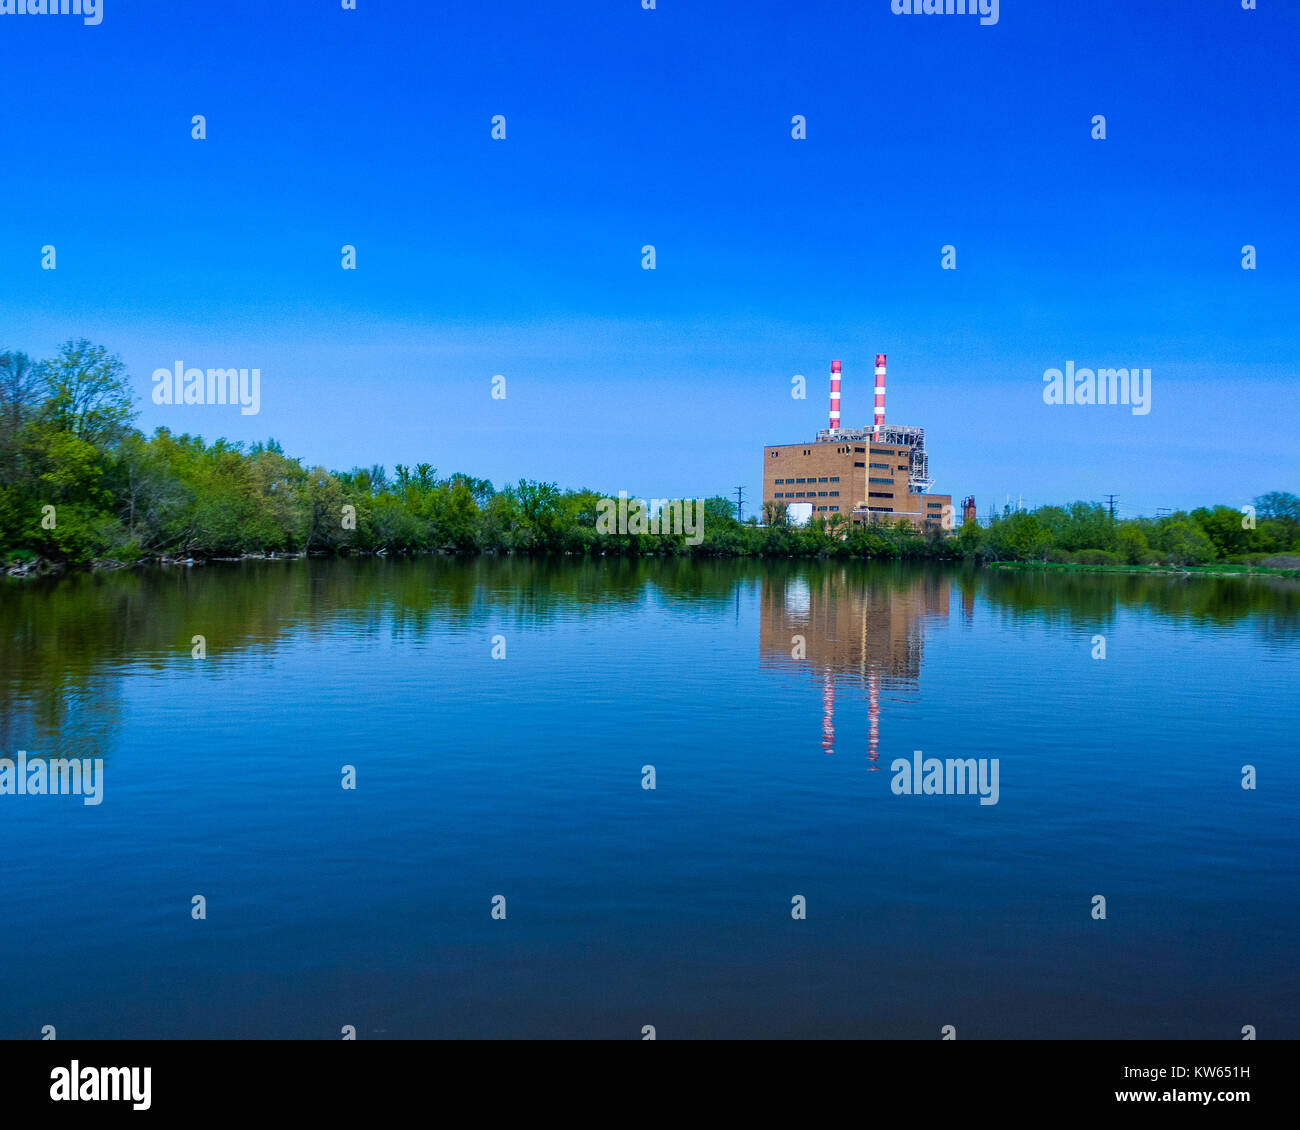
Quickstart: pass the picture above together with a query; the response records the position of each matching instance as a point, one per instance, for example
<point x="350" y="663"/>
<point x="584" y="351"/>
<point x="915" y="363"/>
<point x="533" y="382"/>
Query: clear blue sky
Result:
<point x="672" y="127"/>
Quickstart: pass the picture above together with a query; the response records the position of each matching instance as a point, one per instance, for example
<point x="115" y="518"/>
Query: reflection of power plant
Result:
<point x="852" y="634"/>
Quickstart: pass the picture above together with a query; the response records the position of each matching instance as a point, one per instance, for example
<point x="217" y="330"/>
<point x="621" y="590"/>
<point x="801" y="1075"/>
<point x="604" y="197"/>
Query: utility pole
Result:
<point x="740" y="504"/>
<point x="1110" y="502"/>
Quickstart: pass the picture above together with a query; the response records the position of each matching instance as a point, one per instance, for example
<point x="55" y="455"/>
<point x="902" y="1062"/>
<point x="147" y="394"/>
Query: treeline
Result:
<point x="79" y="483"/>
<point x="1084" y="533"/>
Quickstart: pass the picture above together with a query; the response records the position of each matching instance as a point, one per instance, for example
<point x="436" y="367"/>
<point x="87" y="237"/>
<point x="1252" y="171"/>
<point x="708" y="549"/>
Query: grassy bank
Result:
<point x="1221" y="570"/>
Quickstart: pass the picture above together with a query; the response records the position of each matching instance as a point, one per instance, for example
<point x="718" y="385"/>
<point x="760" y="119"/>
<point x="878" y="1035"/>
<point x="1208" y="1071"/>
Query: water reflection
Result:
<point x="855" y="630"/>
<point x="67" y="644"/>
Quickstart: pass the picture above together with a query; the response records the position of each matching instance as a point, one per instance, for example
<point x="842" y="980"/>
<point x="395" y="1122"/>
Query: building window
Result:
<point x="902" y="466"/>
<point x="823" y="494"/>
<point x="823" y="479"/>
<point x="835" y="494"/>
<point x="881" y="466"/>
<point x="859" y="451"/>
<point x="859" y="464"/>
<point x="881" y="509"/>
<point x="889" y="481"/>
<point x="821" y="508"/>
<point x="801" y="480"/>
<point x="835" y="508"/>
<point x="935" y="505"/>
<point x="880" y="494"/>
<point x="835" y="478"/>
<point x="799" y="494"/>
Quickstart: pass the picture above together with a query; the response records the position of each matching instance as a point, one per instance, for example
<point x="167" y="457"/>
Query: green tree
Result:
<point x="87" y="393"/>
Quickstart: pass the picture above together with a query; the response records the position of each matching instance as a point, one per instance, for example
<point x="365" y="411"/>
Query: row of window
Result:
<point x="823" y="479"/>
<point x="880" y="494"/>
<point x="890" y="482"/>
<point x="880" y="466"/>
<point x="810" y="494"/>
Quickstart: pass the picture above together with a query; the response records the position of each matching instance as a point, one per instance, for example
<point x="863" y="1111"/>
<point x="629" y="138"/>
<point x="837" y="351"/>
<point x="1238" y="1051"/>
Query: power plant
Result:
<point x="879" y="473"/>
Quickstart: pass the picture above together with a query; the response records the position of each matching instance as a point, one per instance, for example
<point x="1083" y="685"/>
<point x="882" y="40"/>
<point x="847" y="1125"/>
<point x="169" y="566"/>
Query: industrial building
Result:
<point x="879" y="473"/>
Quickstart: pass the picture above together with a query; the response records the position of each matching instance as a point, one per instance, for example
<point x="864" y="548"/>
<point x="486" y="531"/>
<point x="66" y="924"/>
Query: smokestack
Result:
<point x="879" y="421"/>
<point x="835" y="395"/>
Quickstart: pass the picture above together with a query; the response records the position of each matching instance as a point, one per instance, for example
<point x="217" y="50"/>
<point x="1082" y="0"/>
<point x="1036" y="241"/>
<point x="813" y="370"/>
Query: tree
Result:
<point x="20" y="387"/>
<point x="1133" y="545"/>
<point x="87" y="393"/>
<point x="19" y="397"/>
<point x="1278" y="504"/>
<point x="1022" y="537"/>
<point x="1183" y="542"/>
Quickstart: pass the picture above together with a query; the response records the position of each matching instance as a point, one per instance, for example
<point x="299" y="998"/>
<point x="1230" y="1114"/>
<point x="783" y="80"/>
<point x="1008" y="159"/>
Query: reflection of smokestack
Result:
<point x="835" y="395"/>
<point x="828" y="711"/>
<point x="879" y="421"/>
<point x="873" y="718"/>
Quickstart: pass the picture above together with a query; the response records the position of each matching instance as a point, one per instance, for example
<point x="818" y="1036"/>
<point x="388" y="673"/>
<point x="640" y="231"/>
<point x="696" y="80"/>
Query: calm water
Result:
<point x="522" y="777"/>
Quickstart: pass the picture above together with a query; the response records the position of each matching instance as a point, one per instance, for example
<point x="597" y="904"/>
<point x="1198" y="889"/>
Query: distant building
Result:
<point x="874" y="474"/>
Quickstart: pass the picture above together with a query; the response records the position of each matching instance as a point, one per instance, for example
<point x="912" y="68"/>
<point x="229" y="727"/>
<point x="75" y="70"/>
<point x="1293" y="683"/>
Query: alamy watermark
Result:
<point x="179" y="385"/>
<point x="75" y="1083"/>
<point x="92" y="10"/>
<point x="53" y="776"/>
<point x="658" y="516"/>
<point x="954" y="776"/>
<point x="1102" y="386"/>
<point x="987" y="10"/>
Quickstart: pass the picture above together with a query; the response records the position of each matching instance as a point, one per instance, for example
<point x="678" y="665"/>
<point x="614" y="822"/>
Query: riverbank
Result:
<point x="42" y="567"/>
<point x="1220" y="570"/>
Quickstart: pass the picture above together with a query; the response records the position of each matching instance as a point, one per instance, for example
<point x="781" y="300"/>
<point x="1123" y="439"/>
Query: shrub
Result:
<point x="1097" y="557"/>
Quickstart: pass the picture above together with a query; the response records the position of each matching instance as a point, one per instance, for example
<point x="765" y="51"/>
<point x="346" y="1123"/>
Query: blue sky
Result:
<point x="774" y="256"/>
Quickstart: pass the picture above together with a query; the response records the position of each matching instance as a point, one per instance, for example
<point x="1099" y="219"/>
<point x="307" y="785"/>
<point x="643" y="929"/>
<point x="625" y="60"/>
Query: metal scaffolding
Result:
<point x="918" y="477"/>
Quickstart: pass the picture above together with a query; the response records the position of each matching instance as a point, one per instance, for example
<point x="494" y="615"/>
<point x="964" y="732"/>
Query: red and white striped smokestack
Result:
<point x="879" y="421"/>
<point x="835" y="395"/>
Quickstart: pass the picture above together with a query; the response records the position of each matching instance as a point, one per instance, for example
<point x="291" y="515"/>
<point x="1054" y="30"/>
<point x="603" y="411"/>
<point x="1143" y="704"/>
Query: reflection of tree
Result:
<point x="63" y="641"/>
<point x="1084" y="600"/>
